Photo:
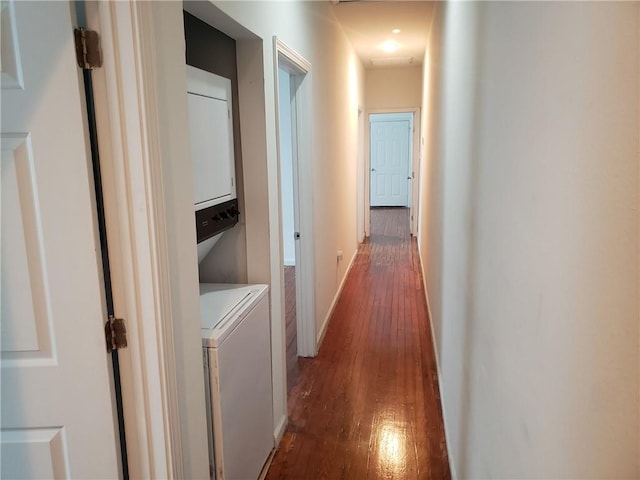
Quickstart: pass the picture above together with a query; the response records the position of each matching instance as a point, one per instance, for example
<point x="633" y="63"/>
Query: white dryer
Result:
<point x="236" y="341"/>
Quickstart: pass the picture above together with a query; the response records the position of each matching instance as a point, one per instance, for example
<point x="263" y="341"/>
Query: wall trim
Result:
<point x="452" y="464"/>
<point x="325" y="323"/>
<point x="294" y="57"/>
<point x="138" y="246"/>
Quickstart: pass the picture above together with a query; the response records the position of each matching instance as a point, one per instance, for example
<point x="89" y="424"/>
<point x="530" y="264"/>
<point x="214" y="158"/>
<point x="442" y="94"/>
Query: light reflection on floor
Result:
<point x="392" y="454"/>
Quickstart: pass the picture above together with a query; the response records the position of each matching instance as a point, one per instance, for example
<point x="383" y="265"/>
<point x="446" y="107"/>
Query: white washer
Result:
<point x="236" y="343"/>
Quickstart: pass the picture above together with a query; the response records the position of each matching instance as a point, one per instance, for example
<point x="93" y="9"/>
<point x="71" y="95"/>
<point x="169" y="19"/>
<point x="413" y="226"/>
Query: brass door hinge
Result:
<point x="115" y="333"/>
<point x="88" y="53"/>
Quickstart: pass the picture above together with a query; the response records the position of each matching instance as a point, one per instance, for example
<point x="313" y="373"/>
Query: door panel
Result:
<point x="26" y="319"/>
<point x="56" y="413"/>
<point x="34" y="453"/>
<point x="390" y="152"/>
<point x="398" y="185"/>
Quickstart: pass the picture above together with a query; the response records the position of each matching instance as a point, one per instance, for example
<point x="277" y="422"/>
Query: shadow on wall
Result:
<point x="459" y="174"/>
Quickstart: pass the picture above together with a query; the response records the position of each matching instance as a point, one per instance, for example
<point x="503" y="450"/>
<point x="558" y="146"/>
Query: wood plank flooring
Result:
<point x="368" y="405"/>
<point x="290" y="318"/>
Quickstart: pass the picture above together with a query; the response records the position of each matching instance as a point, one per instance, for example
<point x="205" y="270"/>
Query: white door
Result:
<point x="56" y="414"/>
<point x="390" y="155"/>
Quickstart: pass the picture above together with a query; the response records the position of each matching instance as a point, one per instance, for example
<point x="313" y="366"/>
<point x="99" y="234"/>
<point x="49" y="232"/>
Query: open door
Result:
<point x="57" y="417"/>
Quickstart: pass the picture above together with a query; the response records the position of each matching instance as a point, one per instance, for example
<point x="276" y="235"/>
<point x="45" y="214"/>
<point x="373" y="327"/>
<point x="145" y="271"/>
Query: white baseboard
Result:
<point x="277" y="438"/>
<point x="280" y="429"/>
<point x="267" y="464"/>
<point x="452" y="464"/>
<point x="325" y="323"/>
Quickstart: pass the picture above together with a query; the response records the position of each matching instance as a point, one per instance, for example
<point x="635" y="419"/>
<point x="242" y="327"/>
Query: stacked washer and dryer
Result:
<point x="235" y="321"/>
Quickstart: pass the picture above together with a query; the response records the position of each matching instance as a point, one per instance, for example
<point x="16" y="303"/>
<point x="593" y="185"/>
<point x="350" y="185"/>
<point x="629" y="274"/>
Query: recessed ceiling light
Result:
<point x="395" y="30"/>
<point x="389" y="46"/>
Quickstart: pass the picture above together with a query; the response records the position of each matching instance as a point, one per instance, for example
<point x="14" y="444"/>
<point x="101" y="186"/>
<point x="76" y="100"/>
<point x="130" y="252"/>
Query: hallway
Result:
<point x="368" y="405"/>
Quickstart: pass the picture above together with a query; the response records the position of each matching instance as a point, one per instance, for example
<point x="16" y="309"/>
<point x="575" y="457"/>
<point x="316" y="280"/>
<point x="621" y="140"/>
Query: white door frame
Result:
<point x="415" y="167"/>
<point x="360" y="174"/>
<point x="127" y="117"/>
<point x="300" y="69"/>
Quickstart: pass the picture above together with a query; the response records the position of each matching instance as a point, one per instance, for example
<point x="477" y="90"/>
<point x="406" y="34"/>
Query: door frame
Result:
<point x="360" y="175"/>
<point x="414" y="186"/>
<point x="299" y="69"/>
<point x="127" y="117"/>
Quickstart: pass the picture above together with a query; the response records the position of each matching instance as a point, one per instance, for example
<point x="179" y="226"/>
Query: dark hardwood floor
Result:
<point x="368" y="405"/>
<point x="290" y="318"/>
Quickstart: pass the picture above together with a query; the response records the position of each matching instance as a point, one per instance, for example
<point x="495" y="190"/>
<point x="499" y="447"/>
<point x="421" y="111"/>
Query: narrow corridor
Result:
<point x="368" y="405"/>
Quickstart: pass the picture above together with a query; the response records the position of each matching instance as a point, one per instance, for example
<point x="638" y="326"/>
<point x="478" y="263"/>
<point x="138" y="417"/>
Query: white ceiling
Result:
<point x="369" y="24"/>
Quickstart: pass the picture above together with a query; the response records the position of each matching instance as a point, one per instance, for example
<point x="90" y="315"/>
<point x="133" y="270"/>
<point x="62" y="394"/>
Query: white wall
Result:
<point x="286" y="168"/>
<point x="529" y="236"/>
<point x="399" y="87"/>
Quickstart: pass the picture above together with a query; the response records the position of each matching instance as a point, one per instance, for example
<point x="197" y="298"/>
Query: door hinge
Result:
<point x="88" y="53"/>
<point x="115" y="333"/>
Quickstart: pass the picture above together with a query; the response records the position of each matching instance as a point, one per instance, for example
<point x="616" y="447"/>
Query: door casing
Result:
<point x="415" y="168"/>
<point x="137" y="235"/>
<point x="299" y="69"/>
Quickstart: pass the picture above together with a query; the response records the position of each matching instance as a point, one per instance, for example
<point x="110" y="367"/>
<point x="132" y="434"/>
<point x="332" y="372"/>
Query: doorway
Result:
<point x="360" y="192"/>
<point x="292" y="81"/>
<point x="392" y="164"/>
<point x="288" y="209"/>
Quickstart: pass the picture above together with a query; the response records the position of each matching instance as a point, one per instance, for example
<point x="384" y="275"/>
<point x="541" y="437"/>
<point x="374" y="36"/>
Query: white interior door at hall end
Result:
<point x="56" y="416"/>
<point x="390" y="149"/>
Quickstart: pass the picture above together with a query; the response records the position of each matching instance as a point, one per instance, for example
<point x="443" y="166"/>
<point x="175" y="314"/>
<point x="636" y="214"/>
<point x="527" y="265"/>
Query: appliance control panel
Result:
<point x="216" y="219"/>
